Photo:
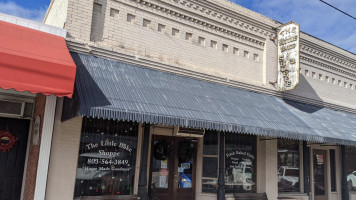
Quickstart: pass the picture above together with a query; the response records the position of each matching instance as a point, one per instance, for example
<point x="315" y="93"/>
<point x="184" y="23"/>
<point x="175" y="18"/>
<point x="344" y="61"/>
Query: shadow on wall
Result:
<point x="306" y="90"/>
<point x="86" y="94"/>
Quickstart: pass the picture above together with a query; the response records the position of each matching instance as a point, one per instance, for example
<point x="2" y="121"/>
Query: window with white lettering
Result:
<point x="107" y="158"/>
<point x="240" y="163"/>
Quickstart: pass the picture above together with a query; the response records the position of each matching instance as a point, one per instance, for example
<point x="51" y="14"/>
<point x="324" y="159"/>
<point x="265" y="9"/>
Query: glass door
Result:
<point x="320" y="175"/>
<point x="172" y="173"/>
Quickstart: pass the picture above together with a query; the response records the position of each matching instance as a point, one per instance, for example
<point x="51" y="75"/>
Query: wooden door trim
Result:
<point x="173" y="166"/>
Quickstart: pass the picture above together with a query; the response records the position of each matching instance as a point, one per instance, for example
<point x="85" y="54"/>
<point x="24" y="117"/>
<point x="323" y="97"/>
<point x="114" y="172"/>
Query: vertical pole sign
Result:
<point x="288" y="56"/>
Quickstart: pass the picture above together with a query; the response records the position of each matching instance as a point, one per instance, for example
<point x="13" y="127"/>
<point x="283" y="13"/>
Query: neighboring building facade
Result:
<point x="35" y="69"/>
<point x="209" y="65"/>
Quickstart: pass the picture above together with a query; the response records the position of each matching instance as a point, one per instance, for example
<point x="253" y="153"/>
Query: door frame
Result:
<point x="338" y="173"/>
<point x="326" y="175"/>
<point x="165" y="130"/>
<point x="173" y="166"/>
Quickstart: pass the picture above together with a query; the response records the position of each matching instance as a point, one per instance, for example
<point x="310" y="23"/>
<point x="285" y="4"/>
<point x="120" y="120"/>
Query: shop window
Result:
<point x="350" y="167"/>
<point x="288" y="165"/>
<point x="210" y="162"/>
<point x="107" y="158"/>
<point x="240" y="163"/>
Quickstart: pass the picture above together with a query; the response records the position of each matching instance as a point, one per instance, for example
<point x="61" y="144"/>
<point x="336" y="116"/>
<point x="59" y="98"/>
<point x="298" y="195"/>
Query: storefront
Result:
<point x="132" y="140"/>
<point x="34" y="62"/>
<point x="203" y="100"/>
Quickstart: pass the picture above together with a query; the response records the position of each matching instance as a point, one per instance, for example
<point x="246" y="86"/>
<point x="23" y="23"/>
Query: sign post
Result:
<point x="288" y="56"/>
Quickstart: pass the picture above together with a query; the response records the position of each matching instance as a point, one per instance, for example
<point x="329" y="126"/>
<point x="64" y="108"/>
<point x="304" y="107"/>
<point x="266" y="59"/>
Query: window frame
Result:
<point x="255" y="150"/>
<point x="301" y="170"/>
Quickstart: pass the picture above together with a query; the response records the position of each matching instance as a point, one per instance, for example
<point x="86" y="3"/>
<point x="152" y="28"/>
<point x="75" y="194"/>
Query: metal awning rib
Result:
<point x="116" y="90"/>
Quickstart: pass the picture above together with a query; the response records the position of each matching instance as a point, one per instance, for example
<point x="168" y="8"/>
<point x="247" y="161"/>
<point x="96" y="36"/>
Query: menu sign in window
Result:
<point x="288" y="56"/>
<point x="240" y="163"/>
<point x="107" y="157"/>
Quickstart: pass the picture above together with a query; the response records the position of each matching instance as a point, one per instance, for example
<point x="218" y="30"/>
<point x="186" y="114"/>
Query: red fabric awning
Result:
<point x="35" y="61"/>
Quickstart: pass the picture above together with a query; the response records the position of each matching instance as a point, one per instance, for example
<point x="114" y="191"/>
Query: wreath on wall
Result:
<point x="185" y="151"/>
<point x="161" y="150"/>
<point x="7" y="141"/>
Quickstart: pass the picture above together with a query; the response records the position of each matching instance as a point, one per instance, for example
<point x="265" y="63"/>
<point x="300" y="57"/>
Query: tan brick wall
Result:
<point x="33" y="154"/>
<point x="181" y="33"/>
<point x="64" y="156"/>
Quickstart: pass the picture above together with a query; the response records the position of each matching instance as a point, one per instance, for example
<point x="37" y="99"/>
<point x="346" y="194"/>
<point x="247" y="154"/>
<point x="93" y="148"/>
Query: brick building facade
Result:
<point x="213" y="41"/>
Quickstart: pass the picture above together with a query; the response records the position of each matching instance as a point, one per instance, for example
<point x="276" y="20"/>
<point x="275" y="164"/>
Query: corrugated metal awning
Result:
<point x="115" y="90"/>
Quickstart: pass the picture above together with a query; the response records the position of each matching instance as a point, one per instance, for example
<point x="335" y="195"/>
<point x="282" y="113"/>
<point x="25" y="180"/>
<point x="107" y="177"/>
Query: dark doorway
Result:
<point x="173" y="168"/>
<point x="12" y="162"/>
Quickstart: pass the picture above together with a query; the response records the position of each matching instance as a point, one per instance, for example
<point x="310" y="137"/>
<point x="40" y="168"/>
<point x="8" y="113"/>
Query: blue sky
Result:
<point x="314" y="17"/>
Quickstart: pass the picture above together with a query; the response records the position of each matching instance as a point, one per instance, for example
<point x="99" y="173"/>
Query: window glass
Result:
<point x="288" y="165"/>
<point x="210" y="167"/>
<point x="350" y="167"/>
<point x="210" y="161"/>
<point x="160" y="170"/>
<point x="107" y="156"/>
<point x="240" y="163"/>
<point x="211" y="139"/>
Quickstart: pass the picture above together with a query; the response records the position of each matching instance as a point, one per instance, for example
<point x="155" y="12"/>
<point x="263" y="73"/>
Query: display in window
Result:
<point x="350" y="166"/>
<point x="107" y="157"/>
<point x="240" y="163"/>
<point x="288" y="165"/>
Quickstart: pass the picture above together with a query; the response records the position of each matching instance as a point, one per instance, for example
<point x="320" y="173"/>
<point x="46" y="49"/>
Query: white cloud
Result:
<point x="314" y="17"/>
<point x="11" y="8"/>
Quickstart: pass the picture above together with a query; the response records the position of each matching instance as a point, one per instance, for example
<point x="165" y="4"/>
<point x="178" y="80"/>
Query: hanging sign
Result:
<point x="288" y="56"/>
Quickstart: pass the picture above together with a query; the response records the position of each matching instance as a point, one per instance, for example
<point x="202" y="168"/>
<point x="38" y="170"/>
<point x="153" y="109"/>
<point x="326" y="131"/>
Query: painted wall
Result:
<point x="64" y="156"/>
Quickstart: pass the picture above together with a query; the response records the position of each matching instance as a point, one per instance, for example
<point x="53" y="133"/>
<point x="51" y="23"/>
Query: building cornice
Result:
<point x="213" y="22"/>
<point x="328" y="52"/>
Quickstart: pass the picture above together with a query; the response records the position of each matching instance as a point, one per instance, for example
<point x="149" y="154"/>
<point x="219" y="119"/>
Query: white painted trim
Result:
<point x="45" y="148"/>
<point x="26" y="160"/>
